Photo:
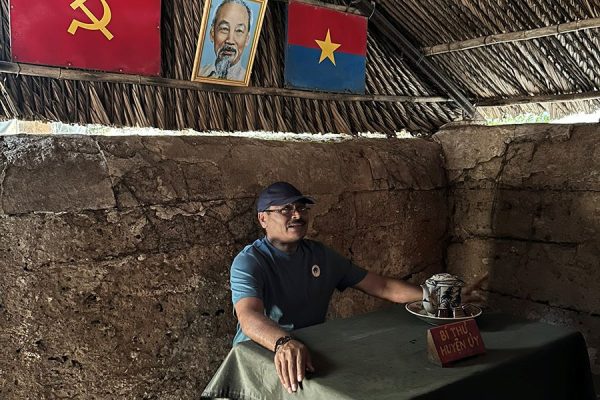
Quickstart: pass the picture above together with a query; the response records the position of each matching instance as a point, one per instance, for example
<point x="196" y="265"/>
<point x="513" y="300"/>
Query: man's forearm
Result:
<point x="400" y="291"/>
<point x="261" y="329"/>
<point x="389" y="288"/>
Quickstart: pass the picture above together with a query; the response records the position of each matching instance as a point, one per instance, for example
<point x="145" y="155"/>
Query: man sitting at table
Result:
<point x="283" y="282"/>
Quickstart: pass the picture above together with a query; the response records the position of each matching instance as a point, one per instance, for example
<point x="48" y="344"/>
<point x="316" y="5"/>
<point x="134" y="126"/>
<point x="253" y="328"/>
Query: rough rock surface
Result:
<point x="524" y="205"/>
<point x="115" y="251"/>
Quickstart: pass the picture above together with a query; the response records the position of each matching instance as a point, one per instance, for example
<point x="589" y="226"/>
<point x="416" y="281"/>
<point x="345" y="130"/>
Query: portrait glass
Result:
<point x="227" y="41"/>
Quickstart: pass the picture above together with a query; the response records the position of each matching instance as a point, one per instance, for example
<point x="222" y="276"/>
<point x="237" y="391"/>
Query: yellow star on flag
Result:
<point x="327" y="48"/>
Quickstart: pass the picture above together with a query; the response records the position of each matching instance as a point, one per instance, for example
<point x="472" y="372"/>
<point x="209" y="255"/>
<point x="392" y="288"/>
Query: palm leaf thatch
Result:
<point x="564" y="64"/>
<point x="504" y="77"/>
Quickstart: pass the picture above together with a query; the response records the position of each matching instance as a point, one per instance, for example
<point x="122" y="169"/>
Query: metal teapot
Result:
<point x="441" y="295"/>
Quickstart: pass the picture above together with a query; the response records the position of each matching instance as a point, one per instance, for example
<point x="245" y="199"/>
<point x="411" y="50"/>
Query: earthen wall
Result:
<point x="524" y="204"/>
<point x="115" y="251"/>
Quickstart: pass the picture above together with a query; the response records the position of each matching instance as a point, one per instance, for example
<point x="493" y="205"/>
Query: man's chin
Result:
<point x="297" y="232"/>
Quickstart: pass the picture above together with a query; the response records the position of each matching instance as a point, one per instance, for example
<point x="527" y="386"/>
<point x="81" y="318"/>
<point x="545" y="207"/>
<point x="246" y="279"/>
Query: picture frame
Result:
<point x="227" y="42"/>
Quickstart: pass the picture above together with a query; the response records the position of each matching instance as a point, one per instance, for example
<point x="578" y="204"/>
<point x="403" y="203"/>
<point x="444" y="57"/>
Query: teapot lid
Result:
<point x="445" y="279"/>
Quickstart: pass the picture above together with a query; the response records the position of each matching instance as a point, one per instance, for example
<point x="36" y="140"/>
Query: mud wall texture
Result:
<point x="524" y="204"/>
<point x="115" y="251"/>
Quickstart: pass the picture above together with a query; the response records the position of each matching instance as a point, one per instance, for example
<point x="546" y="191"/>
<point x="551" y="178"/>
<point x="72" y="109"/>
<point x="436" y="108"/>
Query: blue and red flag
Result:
<point x="326" y="49"/>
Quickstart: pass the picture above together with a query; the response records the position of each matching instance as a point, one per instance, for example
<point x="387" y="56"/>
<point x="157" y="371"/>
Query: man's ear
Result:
<point x="262" y="218"/>
<point x="212" y="33"/>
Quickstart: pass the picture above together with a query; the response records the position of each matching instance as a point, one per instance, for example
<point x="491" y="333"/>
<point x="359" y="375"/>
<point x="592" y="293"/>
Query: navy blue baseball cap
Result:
<point x="280" y="194"/>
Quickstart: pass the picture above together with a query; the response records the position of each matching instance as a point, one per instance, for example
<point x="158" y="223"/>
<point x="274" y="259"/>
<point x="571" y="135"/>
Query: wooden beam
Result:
<point x="556" y="98"/>
<point x="512" y="37"/>
<point x="417" y="58"/>
<point x="79" y="75"/>
<point x="346" y="9"/>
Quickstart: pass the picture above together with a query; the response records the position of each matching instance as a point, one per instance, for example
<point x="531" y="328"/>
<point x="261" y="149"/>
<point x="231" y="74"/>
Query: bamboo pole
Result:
<point x="512" y="37"/>
<point x="556" y="98"/>
<point x="79" y="75"/>
<point x="347" y="9"/>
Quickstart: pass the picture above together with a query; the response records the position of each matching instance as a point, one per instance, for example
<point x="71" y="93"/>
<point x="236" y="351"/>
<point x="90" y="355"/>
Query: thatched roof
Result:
<point x="405" y="88"/>
<point x="562" y="64"/>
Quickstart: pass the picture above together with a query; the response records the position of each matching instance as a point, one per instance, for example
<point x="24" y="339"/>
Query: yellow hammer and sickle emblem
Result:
<point x="97" y="24"/>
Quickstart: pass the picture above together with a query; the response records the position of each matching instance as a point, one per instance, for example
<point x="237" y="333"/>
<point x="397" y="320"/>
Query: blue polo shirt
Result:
<point x="295" y="288"/>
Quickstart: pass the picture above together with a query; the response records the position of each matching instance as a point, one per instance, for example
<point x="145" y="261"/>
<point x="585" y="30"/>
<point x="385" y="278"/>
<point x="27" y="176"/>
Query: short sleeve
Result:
<point x="348" y="274"/>
<point x="246" y="278"/>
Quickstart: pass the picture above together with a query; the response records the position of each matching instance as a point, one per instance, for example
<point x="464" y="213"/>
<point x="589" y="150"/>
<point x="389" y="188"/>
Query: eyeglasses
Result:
<point x="289" y="209"/>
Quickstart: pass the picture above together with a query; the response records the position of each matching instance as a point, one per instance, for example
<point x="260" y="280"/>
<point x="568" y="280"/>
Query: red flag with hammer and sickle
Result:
<point x="108" y="35"/>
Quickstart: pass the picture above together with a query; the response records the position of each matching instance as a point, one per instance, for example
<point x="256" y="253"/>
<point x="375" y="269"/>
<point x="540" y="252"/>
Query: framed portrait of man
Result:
<point x="227" y="41"/>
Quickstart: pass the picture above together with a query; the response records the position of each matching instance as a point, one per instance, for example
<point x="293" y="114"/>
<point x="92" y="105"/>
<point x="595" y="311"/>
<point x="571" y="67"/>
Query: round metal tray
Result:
<point x="416" y="308"/>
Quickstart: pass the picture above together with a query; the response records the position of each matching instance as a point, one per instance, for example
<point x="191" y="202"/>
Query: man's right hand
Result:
<point x="292" y="360"/>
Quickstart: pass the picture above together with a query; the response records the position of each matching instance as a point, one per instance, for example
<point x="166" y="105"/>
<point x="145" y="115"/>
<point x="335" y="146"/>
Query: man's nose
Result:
<point x="229" y="38"/>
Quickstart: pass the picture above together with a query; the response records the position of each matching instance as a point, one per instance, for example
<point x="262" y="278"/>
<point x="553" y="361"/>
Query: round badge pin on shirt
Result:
<point x="316" y="271"/>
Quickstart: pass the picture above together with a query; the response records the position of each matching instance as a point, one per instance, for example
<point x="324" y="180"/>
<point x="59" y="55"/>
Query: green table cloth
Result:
<point x="383" y="355"/>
